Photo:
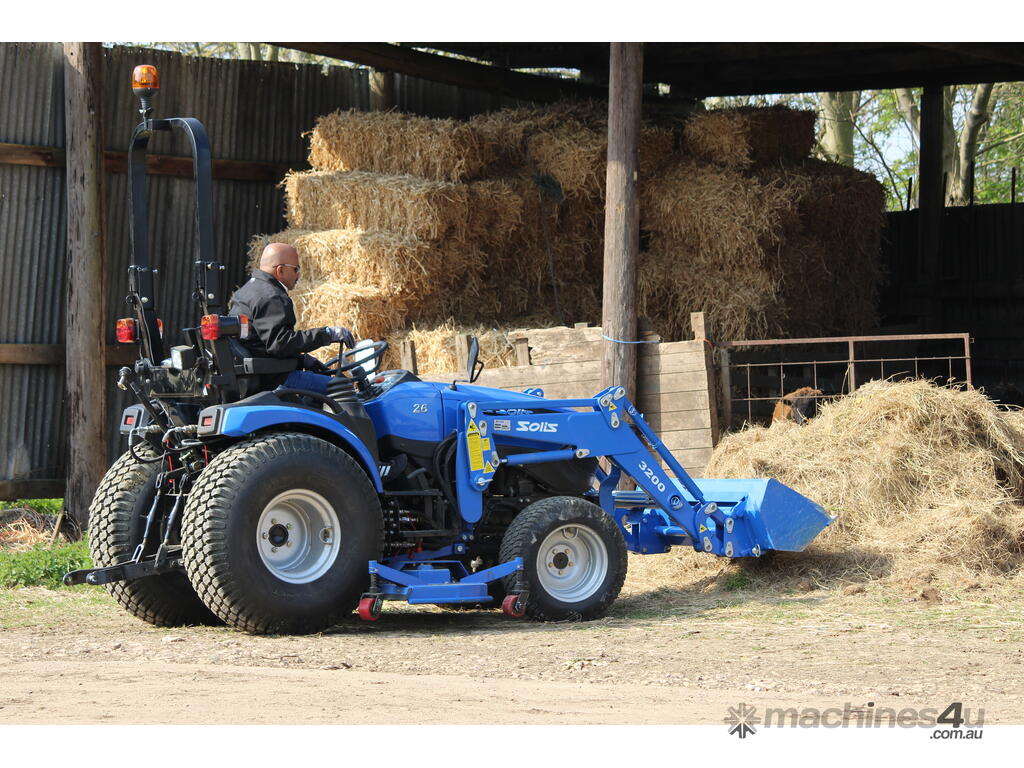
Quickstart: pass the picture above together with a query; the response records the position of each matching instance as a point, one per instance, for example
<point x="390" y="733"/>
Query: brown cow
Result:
<point x="796" y="406"/>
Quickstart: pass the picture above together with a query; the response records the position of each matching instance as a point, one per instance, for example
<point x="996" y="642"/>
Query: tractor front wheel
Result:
<point x="278" y="532"/>
<point x="574" y="558"/>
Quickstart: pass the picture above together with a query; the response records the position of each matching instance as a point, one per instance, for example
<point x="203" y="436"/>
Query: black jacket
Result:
<point x="272" y="319"/>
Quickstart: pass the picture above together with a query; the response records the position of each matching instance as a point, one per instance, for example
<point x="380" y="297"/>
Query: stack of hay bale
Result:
<point x="408" y="224"/>
<point x="745" y="227"/>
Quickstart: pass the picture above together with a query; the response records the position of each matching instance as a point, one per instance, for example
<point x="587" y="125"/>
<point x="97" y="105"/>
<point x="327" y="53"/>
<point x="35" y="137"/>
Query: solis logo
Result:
<point x="536" y="426"/>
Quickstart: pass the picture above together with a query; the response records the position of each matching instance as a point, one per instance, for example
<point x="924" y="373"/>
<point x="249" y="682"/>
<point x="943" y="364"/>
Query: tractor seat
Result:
<point x="252" y="371"/>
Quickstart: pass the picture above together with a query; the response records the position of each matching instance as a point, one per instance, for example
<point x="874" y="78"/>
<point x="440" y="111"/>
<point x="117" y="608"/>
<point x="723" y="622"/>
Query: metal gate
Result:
<point x="756" y="374"/>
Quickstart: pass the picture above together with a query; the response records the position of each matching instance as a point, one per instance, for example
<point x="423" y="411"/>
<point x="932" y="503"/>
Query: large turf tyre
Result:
<point x="250" y="502"/>
<point x="116" y="523"/>
<point x="574" y="558"/>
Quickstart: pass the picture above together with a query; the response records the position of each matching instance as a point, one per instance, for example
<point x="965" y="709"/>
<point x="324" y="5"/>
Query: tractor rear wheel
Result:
<point x="277" y="534"/>
<point x="574" y="558"/>
<point x="116" y="523"/>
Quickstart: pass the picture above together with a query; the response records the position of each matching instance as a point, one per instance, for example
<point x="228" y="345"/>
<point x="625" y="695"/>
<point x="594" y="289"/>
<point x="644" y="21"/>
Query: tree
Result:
<point x="965" y="117"/>
<point x="837" y="112"/>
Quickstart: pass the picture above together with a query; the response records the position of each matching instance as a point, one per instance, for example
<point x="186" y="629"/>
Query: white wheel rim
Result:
<point x="297" y="536"/>
<point x="572" y="563"/>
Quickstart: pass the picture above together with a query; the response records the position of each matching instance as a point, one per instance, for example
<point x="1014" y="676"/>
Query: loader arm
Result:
<point x="733" y="518"/>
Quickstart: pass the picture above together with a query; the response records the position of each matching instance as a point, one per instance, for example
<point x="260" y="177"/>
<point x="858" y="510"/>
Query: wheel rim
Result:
<point x="572" y="563"/>
<point x="297" y="536"/>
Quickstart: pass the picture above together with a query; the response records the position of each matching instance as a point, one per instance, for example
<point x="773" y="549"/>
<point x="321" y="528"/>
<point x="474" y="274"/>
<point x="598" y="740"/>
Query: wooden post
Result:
<point x="700" y="333"/>
<point x="931" y="199"/>
<point x="522" y="348"/>
<point x="409" y="356"/>
<point x="382" y="90"/>
<point x="725" y="374"/>
<point x="622" y="217"/>
<point x="462" y="352"/>
<point x="86" y="243"/>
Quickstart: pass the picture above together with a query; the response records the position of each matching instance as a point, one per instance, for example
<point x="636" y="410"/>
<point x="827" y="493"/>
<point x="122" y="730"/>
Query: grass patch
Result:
<point x="735" y="581"/>
<point x="43" y="506"/>
<point x="42" y="566"/>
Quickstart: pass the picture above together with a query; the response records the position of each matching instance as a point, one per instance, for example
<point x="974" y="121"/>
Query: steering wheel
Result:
<point x="378" y="347"/>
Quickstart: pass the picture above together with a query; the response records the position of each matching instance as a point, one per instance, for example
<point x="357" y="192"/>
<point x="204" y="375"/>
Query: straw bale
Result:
<point x="920" y="476"/>
<point x="482" y="213"/>
<point x="576" y="155"/>
<point x="840" y="212"/>
<point x="399" y="143"/>
<point x="745" y="136"/>
<point x="787" y="251"/>
<point x="741" y="299"/>
<point x="511" y="129"/>
<point x="727" y="215"/>
<point x="373" y="259"/>
<point x="405" y="205"/>
<point x="371" y="313"/>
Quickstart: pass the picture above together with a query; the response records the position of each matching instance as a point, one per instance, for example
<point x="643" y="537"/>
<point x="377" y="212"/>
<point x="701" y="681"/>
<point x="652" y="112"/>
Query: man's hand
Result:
<point x="342" y="334"/>
<point x="310" y="363"/>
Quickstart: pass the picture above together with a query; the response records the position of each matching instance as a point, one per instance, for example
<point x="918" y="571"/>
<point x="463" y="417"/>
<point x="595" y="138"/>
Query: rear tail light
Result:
<point x="210" y="327"/>
<point x="160" y="327"/>
<point x="127" y="331"/>
<point x="213" y="327"/>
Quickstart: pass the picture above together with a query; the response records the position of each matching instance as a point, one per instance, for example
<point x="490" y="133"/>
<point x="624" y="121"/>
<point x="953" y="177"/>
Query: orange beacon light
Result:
<point x="145" y="80"/>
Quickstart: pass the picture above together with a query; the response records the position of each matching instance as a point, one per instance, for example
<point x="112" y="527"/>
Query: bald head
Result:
<point x="282" y="261"/>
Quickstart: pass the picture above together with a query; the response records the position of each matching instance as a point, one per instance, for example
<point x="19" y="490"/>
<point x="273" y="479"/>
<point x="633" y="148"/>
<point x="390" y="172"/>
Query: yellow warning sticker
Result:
<point x="476" y="450"/>
<point x="702" y="528"/>
<point x="485" y="443"/>
<point x="488" y="468"/>
<point x="611" y="406"/>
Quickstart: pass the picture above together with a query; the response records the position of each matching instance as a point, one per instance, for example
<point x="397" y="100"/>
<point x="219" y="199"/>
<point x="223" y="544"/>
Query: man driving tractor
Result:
<point x="264" y="299"/>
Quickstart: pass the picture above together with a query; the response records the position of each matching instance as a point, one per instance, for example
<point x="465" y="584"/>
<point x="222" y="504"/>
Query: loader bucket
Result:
<point x="779" y="517"/>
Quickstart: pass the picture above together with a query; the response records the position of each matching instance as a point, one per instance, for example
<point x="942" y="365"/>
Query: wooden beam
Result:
<point x="931" y="193"/>
<point x="1007" y="53"/>
<point x="159" y="165"/>
<point x="55" y="354"/>
<point x="833" y="70"/>
<point x="86" y="244"/>
<point x="445" y="69"/>
<point x="10" y="490"/>
<point x="622" y="217"/>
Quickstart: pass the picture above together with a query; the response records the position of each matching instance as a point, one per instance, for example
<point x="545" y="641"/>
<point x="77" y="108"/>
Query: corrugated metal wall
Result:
<point x="32" y="232"/>
<point x="252" y="110"/>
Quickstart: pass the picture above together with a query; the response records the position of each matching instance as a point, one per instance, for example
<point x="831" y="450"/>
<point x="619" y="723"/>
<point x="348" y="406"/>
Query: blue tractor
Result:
<point x="281" y="511"/>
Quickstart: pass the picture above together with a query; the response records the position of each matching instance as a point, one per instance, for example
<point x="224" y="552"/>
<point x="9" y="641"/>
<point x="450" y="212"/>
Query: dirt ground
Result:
<point x="665" y="657"/>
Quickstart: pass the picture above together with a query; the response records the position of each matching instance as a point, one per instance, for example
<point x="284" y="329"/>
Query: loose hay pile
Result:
<point x="923" y="479"/>
<point x="487" y="221"/>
